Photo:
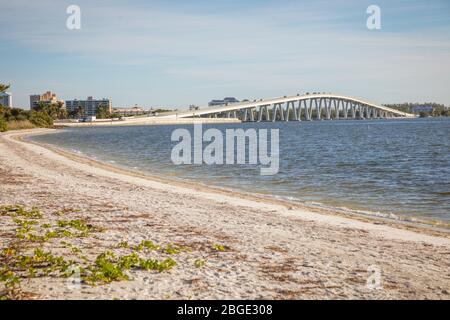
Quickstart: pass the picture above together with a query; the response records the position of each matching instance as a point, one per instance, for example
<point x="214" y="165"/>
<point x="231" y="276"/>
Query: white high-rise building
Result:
<point x="6" y="99"/>
<point x="88" y="107"/>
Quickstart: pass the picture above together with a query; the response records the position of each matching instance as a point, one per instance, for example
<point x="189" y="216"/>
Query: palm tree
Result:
<point x="80" y="111"/>
<point x="103" y="112"/>
<point x="61" y="110"/>
<point x="3" y="87"/>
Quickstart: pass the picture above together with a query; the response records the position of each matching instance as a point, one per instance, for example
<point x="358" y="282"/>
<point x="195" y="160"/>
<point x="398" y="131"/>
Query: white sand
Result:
<point x="276" y="249"/>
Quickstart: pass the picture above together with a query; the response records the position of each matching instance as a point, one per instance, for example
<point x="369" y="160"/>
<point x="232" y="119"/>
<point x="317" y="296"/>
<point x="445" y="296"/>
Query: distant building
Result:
<point x="418" y="109"/>
<point x="46" y="98"/>
<point x="89" y="106"/>
<point x="228" y="100"/>
<point x="215" y="103"/>
<point x="6" y="99"/>
<point x="224" y="101"/>
<point x="129" y="112"/>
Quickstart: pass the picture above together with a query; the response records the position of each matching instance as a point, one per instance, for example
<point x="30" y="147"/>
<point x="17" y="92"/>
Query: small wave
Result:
<point x="367" y="213"/>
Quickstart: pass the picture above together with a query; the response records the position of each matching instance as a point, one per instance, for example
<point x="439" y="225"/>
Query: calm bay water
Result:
<point x="399" y="167"/>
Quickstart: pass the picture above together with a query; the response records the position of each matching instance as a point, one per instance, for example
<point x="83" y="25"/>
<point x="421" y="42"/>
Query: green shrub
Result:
<point x="3" y="124"/>
<point x="41" y="119"/>
<point x="219" y="247"/>
<point x="199" y="263"/>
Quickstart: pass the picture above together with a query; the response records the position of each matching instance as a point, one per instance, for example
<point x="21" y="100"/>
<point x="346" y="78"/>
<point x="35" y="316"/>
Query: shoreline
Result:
<point x="365" y="215"/>
<point x="275" y="248"/>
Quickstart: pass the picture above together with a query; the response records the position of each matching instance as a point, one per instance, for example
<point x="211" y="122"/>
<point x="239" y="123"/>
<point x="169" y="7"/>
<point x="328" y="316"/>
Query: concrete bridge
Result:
<point x="296" y="108"/>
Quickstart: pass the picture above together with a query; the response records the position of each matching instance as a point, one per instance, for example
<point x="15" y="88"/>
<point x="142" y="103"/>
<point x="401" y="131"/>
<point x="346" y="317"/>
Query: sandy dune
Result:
<point x="274" y="249"/>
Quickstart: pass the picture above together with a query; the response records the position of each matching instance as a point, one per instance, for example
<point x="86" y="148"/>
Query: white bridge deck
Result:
<point x="300" y="107"/>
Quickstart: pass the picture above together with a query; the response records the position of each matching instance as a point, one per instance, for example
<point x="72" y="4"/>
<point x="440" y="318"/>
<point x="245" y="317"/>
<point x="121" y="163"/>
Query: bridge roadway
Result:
<point x="299" y="107"/>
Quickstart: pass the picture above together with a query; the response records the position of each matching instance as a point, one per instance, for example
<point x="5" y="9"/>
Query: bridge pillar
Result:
<point x="244" y="118"/>
<point x="318" y="108"/>
<point x="252" y="115"/>
<point x="309" y="109"/>
<point x="286" y="112"/>
<point x="336" y="103"/>
<point x="274" y="112"/>
<point x="299" y="110"/>
<point x="345" y="108"/>
<point x="294" y="111"/>
<point x="353" y="109"/>
<point x="306" y="109"/>
<point x="328" y="109"/>
<point x="266" y="109"/>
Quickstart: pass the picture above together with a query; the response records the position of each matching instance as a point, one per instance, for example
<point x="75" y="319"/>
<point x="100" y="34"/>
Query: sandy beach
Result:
<point x="235" y="246"/>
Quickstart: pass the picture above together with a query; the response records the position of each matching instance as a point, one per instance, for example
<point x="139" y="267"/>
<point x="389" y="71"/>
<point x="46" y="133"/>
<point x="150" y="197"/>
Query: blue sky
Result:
<point x="176" y="53"/>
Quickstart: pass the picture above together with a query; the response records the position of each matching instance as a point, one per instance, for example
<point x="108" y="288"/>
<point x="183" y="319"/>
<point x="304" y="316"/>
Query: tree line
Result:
<point x="439" y="110"/>
<point x="42" y="116"/>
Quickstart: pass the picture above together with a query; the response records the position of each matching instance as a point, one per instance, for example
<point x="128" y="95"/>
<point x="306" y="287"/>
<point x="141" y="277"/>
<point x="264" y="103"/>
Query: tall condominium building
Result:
<point x="6" y="99"/>
<point x="47" y="98"/>
<point x="88" y="107"/>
